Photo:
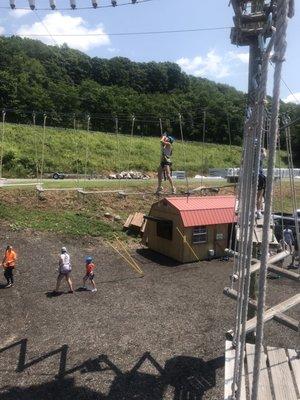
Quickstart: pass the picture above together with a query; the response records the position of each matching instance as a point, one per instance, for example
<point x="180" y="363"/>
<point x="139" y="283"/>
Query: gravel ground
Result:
<point x="160" y="337"/>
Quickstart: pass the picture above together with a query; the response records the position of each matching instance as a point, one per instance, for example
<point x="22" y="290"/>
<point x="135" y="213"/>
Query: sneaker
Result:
<point x="259" y="215"/>
<point x="8" y="285"/>
<point x="71" y="291"/>
<point x="159" y="190"/>
<point x="94" y="290"/>
<point x="173" y="191"/>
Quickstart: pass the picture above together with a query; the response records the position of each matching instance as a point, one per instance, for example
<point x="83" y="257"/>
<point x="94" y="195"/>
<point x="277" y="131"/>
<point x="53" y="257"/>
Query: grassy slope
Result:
<point x="64" y="146"/>
<point x="65" y="212"/>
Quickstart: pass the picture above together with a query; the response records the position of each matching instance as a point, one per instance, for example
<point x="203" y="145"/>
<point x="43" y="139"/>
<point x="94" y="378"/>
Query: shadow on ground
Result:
<point x="158" y="258"/>
<point x="186" y="378"/>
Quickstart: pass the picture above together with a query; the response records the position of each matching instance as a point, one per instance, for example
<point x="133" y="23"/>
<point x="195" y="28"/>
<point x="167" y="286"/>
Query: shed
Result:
<point x="185" y="227"/>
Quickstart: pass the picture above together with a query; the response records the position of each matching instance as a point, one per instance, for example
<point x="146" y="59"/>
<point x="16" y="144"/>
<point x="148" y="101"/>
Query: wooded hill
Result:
<point x="62" y="82"/>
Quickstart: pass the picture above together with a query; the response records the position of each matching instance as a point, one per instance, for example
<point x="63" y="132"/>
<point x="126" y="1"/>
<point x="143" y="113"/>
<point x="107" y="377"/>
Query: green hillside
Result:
<point x="65" y="150"/>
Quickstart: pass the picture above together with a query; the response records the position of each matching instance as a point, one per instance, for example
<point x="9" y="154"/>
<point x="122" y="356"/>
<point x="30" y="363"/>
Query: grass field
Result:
<point x="65" y="151"/>
<point x="69" y="213"/>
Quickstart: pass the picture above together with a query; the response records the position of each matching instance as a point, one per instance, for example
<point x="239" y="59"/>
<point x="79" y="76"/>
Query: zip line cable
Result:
<point x="287" y="86"/>
<point x="46" y="29"/>
<point x="139" y="33"/>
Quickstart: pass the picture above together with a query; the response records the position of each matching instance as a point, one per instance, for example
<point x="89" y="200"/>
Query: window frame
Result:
<point x="164" y="229"/>
<point x="199" y="235"/>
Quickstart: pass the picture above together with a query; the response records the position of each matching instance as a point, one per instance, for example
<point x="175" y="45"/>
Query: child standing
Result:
<point x="8" y="264"/>
<point x="89" y="273"/>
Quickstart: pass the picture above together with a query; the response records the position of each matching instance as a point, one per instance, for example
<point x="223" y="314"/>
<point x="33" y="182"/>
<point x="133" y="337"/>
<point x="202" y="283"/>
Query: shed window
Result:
<point x="199" y="235"/>
<point x="164" y="229"/>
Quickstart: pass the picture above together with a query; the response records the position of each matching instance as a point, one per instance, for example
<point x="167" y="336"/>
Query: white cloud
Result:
<point x="293" y="98"/>
<point x="58" y="24"/>
<point x="113" y="50"/>
<point x="19" y="13"/>
<point x="211" y="65"/>
<point x="2" y="30"/>
<point x="242" y="57"/>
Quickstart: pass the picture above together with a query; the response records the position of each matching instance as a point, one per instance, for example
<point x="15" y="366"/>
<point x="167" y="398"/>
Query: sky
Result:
<point x="208" y="54"/>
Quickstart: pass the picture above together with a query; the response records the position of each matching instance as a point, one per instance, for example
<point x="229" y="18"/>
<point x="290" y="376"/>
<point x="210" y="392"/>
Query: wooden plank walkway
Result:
<point x="279" y="376"/>
<point x="265" y="392"/>
<point x="229" y="371"/>
<point x="295" y="364"/>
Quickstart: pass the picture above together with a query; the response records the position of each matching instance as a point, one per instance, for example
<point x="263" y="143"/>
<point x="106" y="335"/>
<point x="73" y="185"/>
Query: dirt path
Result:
<point x="155" y="338"/>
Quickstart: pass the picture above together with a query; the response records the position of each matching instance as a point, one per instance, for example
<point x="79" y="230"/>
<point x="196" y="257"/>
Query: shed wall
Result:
<point x="202" y="249"/>
<point x="171" y="248"/>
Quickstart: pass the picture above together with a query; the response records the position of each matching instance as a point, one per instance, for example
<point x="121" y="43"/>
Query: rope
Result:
<point x="292" y="183"/>
<point x="248" y="200"/>
<point x="36" y="147"/>
<point x="245" y="244"/>
<point x="184" y="154"/>
<point x="280" y="183"/>
<point x="137" y="267"/>
<point x="86" y="148"/>
<point x="117" y="157"/>
<point x="161" y="127"/>
<point x="43" y="147"/>
<point x="229" y="130"/>
<point x="187" y="243"/>
<point x="278" y="58"/>
<point x="131" y="140"/>
<point x="2" y="142"/>
<point x="76" y="150"/>
<point x="203" y="141"/>
<point x="291" y="10"/>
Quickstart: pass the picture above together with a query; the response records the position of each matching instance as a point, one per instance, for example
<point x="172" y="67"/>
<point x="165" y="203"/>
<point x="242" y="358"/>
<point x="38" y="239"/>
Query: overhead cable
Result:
<point x="127" y="33"/>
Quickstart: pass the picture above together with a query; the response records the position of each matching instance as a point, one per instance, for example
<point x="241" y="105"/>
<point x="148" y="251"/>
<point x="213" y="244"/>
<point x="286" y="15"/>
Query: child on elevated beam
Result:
<point x="165" y="163"/>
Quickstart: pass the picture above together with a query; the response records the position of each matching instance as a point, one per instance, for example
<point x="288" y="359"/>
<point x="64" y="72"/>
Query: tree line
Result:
<point x="65" y="82"/>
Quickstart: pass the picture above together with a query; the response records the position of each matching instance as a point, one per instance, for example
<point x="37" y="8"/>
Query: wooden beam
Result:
<point x="272" y="260"/>
<point x="271" y="312"/>
<point x="290" y="322"/>
<point x="284" y="272"/>
<point x="283" y="319"/>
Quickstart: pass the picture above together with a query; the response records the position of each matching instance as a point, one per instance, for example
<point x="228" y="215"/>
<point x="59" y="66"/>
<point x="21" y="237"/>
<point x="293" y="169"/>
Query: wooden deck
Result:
<point x="279" y="377"/>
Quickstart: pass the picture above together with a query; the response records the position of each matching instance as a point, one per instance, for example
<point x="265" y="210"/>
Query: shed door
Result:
<point x="220" y="239"/>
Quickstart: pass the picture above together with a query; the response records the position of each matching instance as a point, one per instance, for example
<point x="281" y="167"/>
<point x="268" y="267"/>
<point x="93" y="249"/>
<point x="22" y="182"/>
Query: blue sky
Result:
<point x="207" y="54"/>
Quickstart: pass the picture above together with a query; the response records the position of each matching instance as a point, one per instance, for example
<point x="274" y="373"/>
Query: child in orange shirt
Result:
<point x="8" y="264"/>
<point x="89" y="274"/>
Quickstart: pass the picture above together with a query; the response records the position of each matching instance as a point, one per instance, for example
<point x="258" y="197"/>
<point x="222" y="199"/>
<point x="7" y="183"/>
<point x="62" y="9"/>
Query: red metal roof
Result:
<point x="208" y="210"/>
